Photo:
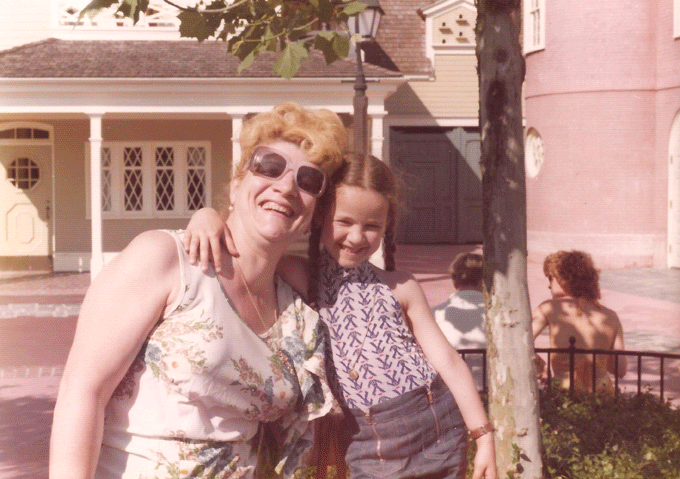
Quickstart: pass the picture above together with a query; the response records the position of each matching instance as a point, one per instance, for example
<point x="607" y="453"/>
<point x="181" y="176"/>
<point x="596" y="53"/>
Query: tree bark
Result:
<point x="513" y="390"/>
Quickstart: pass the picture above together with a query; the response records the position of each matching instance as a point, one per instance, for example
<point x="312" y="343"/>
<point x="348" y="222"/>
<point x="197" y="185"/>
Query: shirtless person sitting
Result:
<point x="574" y="310"/>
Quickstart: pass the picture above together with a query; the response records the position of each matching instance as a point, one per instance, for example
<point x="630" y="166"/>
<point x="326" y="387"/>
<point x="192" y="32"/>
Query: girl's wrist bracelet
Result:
<point x="480" y="431"/>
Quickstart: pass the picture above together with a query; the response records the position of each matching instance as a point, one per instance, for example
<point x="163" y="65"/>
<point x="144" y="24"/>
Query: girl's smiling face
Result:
<point x="355" y="225"/>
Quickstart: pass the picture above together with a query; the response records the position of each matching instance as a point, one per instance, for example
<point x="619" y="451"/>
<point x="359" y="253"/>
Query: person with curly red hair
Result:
<point x="575" y="310"/>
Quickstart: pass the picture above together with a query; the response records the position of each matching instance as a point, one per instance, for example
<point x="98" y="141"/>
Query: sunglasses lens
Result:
<point x="270" y="165"/>
<point x="310" y="180"/>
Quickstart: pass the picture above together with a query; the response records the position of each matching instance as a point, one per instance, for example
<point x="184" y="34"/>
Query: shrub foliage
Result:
<point x="586" y="436"/>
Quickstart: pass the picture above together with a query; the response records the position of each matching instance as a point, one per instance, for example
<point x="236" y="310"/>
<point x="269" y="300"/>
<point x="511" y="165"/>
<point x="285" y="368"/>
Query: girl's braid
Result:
<point x="389" y="245"/>
<point x="314" y="255"/>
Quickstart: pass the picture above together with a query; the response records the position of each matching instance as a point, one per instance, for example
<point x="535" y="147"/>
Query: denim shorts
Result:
<point x="420" y="434"/>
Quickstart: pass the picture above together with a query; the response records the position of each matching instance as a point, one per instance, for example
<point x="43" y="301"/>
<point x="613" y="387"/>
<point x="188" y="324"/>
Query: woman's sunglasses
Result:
<point x="273" y="165"/>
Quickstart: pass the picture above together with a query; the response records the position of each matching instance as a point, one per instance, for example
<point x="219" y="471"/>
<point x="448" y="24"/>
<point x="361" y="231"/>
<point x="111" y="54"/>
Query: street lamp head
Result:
<point x="366" y="22"/>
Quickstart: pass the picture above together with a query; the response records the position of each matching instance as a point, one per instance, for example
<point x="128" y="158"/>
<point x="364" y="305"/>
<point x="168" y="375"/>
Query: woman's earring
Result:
<point x="231" y="208"/>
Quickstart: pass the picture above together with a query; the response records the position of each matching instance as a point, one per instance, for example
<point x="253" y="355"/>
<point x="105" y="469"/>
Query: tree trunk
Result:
<point x="513" y="390"/>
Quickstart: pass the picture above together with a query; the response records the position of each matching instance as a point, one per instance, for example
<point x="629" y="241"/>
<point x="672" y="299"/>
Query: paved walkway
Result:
<point x="38" y="314"/>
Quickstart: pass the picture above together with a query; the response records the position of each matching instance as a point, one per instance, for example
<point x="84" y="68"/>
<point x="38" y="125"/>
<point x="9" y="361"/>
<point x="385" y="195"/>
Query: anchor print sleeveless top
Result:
<point x="376" y="355"/>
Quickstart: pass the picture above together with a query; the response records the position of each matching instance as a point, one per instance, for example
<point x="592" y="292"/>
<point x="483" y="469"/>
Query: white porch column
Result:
<point x="236" y="125"/>
<point x="97" y="258"/>
<point x="377" y="138"/>
<point x="376" y="149"/>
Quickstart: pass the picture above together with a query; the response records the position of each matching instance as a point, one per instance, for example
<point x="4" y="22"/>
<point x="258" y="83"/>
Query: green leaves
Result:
<point x="332" y="45"/>
<point x="290" y="59"/>
<point x="290" y="27"/>
<point x="197" y="25"/>
<point x="353" y="8"/>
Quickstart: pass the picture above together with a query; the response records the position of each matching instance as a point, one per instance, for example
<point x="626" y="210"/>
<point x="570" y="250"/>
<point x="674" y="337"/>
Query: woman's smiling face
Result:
<point x="276" y="208"/>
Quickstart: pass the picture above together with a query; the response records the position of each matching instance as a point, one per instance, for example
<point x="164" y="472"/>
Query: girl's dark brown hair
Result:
<point x="367" y="172"/>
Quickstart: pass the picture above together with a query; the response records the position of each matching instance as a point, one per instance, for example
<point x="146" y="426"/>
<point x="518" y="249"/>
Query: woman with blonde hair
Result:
<point x="178" y="373"/>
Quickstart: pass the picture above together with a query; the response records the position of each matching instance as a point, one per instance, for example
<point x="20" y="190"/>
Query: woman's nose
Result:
<point x="286" y="184"/>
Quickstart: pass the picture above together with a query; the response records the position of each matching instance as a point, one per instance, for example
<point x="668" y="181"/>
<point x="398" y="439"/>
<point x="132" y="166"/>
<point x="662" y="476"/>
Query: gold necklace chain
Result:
<point x="252" y="300"/>
<point x="284" y="359"/>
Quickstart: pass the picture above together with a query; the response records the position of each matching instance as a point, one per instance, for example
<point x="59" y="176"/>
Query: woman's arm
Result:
<point x="122" y="305"/>
<point x="452" y="368"/>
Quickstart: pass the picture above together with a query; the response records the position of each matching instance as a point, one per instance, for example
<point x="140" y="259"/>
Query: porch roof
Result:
<point x="53" y="58"/>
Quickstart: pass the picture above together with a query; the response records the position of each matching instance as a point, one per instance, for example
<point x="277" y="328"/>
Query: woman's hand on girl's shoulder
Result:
<point x="204" y="236"/>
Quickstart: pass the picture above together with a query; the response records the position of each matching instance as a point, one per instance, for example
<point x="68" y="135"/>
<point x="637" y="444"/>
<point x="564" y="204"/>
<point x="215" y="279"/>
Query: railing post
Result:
<point x="639" y="382"/>
<point x="594" y="372"/>
<point x="616" y="374"/>
<point x="572" y="347"/>
<point x="661" y="378"/>
<point x="549" y="372"/>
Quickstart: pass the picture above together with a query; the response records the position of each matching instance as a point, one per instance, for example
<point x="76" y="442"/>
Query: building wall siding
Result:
<point x="453" y="93"/>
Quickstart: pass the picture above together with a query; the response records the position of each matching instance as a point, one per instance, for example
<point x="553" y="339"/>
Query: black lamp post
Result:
<point x="365" y="24"/>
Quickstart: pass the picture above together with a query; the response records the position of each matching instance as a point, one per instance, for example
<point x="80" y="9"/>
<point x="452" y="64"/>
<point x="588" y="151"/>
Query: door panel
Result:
<point x="25" y="192"/>
<point x="443" y="178"/>
<point x="470" y="188"/>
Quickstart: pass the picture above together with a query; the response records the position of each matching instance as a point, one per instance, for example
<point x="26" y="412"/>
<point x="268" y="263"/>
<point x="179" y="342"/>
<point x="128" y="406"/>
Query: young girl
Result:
<point x="407" y="394"/>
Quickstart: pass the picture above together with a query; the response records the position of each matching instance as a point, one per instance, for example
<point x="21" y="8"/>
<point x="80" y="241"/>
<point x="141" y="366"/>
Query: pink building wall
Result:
<point x="602" y="95"/>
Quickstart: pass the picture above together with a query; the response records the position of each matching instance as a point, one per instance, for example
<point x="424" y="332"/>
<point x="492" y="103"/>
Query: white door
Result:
<point x="674" y="196"/>
<point x="25" y="195"/>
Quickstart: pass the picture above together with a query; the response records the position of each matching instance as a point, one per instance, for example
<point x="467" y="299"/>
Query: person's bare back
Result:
<point x="591" y="324"/>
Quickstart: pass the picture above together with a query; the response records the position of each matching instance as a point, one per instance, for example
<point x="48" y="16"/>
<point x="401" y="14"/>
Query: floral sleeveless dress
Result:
<point x="207" y="397"/>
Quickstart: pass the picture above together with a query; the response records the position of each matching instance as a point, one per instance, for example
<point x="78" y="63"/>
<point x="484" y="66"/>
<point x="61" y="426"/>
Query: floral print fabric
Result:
<point x="208" y="398"/>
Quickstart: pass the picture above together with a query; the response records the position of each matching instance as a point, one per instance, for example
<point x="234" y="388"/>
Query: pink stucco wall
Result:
<point x="603" y="95"/>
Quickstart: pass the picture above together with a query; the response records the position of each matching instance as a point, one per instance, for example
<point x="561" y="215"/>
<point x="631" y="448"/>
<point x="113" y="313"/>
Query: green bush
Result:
<point x="586" y="436"/>
<point x="627" y="437"/>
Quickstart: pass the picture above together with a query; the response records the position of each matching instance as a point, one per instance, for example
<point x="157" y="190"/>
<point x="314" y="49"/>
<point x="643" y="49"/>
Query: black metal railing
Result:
<point x="572" y="350"/>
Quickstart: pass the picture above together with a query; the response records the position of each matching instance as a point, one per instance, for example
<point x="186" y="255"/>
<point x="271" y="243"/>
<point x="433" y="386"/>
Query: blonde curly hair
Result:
<point x="319" y="133"/>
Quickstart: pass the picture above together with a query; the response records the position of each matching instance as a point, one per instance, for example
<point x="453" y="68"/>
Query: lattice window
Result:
<point x="107" y="179"/>
<point x="24" y="134"/>
<point x="133" y="197"/>
<point x="196" y="178"/>
<point x="23" y="173"/>
<point x="150" y="179"/>
<point x="165" y="179"/>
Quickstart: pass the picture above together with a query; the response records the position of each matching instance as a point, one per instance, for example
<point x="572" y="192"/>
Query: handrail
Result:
<point x="572" y="350"/>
